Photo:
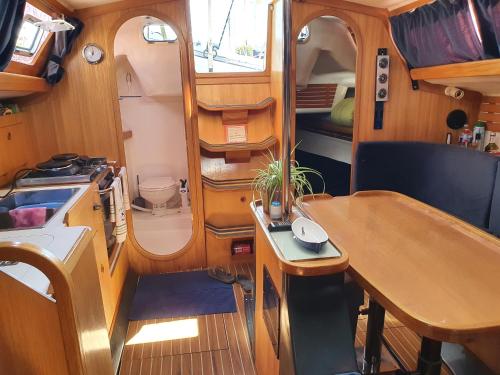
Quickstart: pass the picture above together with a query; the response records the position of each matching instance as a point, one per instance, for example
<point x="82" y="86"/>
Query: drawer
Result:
<point x="219" y="248"/>
<point x="227" y="208"/>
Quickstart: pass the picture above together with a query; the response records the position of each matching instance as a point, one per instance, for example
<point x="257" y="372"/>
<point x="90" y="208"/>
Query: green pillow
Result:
<point x="343" y="112"/>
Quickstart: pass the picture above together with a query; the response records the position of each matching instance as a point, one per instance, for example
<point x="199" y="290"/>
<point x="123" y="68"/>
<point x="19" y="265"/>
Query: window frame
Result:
<point x="37" y="42"/>
<point x="221" y="76"/>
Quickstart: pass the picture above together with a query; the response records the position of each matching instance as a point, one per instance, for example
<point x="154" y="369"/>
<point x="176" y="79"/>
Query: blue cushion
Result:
<point x="495" y="206"/>
<point x="451" y="178"/>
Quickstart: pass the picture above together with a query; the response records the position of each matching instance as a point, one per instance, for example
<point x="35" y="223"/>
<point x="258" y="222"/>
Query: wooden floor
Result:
<point x="222" y="346"/>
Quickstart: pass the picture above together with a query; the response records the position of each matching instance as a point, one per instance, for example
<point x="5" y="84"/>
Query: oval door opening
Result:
<point x="148" y="72"/>
<point x="326" y="53"/>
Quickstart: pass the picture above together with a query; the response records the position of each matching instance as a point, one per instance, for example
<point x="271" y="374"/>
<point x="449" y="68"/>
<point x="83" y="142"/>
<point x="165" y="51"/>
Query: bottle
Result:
<point x="492" y="147"/>
<point x="275" y="210"/>
<point x="478" y="135"/>
<point x="465" y="138"/>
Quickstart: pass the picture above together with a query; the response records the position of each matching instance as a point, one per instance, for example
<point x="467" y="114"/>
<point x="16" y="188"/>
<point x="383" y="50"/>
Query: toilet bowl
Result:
<point x="158" y="191"/>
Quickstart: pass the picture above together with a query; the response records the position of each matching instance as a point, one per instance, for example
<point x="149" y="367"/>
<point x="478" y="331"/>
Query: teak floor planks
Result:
<point x="223" y="348"/>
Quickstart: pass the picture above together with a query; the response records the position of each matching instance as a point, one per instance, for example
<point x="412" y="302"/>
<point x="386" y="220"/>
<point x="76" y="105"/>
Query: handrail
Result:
<point x="62" y="284"/>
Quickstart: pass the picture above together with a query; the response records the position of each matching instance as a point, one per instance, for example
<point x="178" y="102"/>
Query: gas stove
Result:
<point x="64" y="169"/>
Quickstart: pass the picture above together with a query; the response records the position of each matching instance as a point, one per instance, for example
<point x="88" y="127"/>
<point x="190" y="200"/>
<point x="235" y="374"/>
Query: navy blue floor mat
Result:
<point x="173" y="295"/>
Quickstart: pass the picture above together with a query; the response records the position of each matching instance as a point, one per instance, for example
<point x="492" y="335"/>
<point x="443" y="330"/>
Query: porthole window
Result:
<point x="159" y="32"/>
<point x="304" y="34"/>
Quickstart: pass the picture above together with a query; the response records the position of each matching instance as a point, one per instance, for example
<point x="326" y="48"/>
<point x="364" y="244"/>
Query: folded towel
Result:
<point x="28" y="217"/>
<point x="117" y="210"/>
<point x="123" y="175"/>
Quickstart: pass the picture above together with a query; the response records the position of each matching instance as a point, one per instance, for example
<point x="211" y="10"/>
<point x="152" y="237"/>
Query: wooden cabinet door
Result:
<point x="88" y="212"/>
<point x="13" y="150"/>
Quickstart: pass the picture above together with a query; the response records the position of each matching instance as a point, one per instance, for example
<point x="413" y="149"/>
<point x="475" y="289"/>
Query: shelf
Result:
<point x="460" y="70"/>
<point x="232" y="232"/>
<point x="236" y="107"/>
<point x="231" y="147"/>
<point x="15" y="85"/>
<point x="216" y="170"/>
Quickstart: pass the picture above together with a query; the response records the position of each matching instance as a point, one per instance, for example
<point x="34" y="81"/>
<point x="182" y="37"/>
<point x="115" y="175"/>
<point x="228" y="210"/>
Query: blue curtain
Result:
<point x="488" y="14"/>
<point x="63" y="43"/>
<point x="437" y="34"/>
<point x="11" y="19"/>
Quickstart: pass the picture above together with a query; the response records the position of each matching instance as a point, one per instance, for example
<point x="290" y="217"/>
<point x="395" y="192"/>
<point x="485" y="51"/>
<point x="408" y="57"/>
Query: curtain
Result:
<point x="437" y="34"/>
<point x="488" y="14"/>
<point x="63" y="43"/>
<point x="11" y="19"/>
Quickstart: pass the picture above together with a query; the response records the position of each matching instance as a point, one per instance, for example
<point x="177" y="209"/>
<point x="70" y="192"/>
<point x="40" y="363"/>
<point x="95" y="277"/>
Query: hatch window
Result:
<point x="159" y="33"/>
<point x="229" y="35"/>
<point x="30" y="37"/>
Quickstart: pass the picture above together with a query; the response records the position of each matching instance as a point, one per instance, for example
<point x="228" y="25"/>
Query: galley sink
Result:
<point x="32" y="208"/>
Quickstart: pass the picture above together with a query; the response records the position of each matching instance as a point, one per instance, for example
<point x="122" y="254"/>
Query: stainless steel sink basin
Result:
<point x="50" y="200"/>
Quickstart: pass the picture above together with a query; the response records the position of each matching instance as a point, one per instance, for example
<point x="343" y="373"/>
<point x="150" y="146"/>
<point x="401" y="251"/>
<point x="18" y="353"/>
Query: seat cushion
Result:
<point x="451" y="178"/>
<point x="495" y="206"/>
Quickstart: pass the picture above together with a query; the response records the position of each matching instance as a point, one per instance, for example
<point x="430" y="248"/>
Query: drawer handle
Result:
<point x="97" y="207"/>
<point x="102" y="268"/>
<point x="243" y="199"/>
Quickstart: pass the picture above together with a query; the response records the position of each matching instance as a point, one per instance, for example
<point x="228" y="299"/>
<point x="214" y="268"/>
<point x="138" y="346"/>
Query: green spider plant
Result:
<point x="269" y="179"/>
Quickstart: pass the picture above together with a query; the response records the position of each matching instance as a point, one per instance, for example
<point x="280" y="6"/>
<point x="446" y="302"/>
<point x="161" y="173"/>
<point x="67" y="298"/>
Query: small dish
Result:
<point x="309" y="234"/>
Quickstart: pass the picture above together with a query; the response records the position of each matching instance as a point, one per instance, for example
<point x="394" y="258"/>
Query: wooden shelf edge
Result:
<point x="21" y="83"/>
<point x="468" y="69"/>
<point x="228" y="147"/>
<point x="237" y="107"/>
<point x="246" y="231"/>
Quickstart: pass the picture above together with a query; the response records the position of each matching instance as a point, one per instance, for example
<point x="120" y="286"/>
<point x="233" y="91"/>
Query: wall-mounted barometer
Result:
<point x="92" y="53"/>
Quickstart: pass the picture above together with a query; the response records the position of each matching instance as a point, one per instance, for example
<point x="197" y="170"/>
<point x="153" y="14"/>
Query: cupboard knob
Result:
<point x="97" y="207"/>
<point x="102" y="268"/>
<point x="9" y="136"/>
<point x="243" y="199"/>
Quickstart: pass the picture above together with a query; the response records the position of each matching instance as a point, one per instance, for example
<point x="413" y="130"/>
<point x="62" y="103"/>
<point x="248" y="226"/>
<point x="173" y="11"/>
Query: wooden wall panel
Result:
<point x="316" y="96"/>
<point x="81" y="114"/>
<point x="409" y="115"/>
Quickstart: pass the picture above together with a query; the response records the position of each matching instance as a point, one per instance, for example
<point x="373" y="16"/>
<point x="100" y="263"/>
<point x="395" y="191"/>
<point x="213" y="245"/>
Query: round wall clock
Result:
<point x="92" y="53"/>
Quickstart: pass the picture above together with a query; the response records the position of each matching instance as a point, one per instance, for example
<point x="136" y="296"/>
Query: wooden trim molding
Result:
<point x="468" y="69"/>
<point x="409" y="7"/>
<point x="352" y="7"/>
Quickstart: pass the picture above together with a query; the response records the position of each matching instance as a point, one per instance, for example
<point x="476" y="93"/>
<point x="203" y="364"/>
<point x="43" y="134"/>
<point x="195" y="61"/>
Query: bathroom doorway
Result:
<point x="148" y="72"/>
<point x="325" y="91"/>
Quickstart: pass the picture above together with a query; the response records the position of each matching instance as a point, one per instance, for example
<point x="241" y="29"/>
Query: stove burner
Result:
<point x="65" y="157"/>
<point x="54" y="165"/>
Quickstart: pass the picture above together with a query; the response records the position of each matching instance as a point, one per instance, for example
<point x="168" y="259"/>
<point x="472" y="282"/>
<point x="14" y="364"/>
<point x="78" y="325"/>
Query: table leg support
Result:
<point x="373" y="345"/>
<point x="429" y="358"/>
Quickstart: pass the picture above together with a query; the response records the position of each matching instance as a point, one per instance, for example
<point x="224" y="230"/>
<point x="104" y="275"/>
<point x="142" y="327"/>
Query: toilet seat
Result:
<point x="157" y="183"/>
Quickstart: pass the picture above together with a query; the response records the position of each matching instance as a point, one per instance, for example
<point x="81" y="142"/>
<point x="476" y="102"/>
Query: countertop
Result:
<point x="55" y="237"/>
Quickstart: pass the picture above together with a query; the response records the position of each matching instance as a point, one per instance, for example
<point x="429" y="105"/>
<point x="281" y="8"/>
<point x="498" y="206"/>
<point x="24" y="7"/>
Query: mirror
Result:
<point x="148" y="72"/>
<point x="324" y="107"/>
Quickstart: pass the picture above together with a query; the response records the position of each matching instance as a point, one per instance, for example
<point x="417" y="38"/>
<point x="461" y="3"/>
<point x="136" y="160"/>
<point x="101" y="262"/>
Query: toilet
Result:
<point x="158" y="191"/>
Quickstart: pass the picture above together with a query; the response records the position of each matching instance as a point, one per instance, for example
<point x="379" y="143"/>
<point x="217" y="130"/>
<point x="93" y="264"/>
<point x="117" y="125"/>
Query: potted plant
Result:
<point x="269" y="180"/>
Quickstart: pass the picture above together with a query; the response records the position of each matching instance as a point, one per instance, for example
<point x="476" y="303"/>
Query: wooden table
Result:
<point x="437" y="274"/>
